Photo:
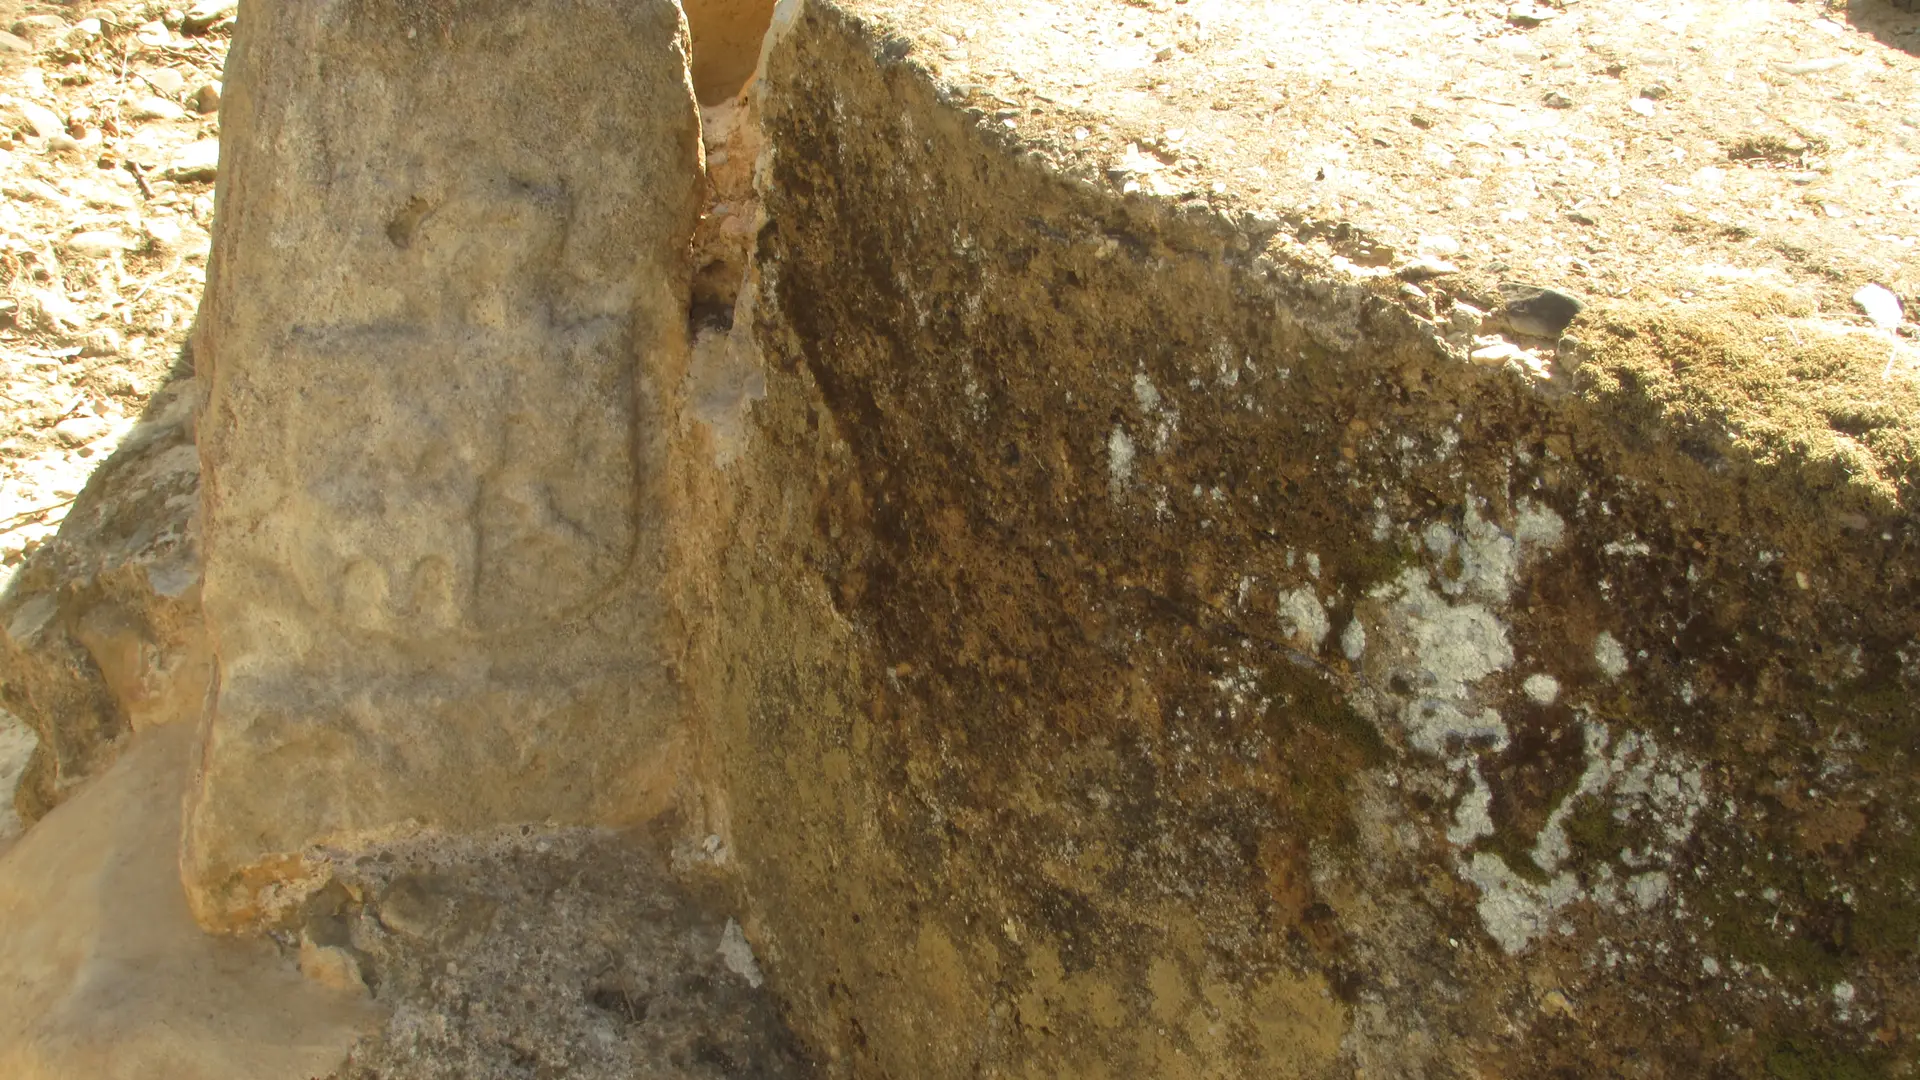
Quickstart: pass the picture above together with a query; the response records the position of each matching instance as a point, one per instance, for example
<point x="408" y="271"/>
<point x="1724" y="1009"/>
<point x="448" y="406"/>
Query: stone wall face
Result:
<point x="445" y="318"/>
<point x="1138" y="660"/>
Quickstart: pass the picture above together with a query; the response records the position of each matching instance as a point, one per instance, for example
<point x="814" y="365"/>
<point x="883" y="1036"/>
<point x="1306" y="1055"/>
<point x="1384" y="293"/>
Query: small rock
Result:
<point x="197" y="162"/>
<point x="1581" y="217"/>
<point x="55" y="309"/>
<point x="99" y="244"/>
<point x="1427" y="267"/>
<point x="164" y="232"/>
<point x="1641" y="105"/>
<point x="86" y="28"/>
<point x="152" y="107"/>
<point x="1880" y="305"/>
<point x="207" y="14"/>
<point x="1529" y="16"/>
<point x="155" y="34"/>
<point x="63" y="144"/>
<point x="1554" y="99"/>
<point x="105" y="341"/>
<point x="1438" y="245"/>
<point x="1656" y="92"/>
<point x="10" y="43"/>
<point x="166" y="82"/>
<point x="1496" y="353"/>
<point x="331" y="966"/>
<point x="206" y="99"/>
<point x="1465" y="319"/>
<point x="1538" y="312"/>
<point x="34" y="26"/>
<point x="1811" y="67"/>
<point x="80" y="430"/>
<point x="44" y="121"/>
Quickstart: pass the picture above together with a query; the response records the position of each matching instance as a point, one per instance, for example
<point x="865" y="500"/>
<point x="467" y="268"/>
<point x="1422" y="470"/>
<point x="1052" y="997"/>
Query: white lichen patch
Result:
<point x="1541" y="689"/>
<point x="1302" y="616"/>
<point x="1147" y="394"/>
<point x="737" y="954"/>
<point x="1514" y="910"/>
<point x="1436" y="630"/>
<point x="1119" y="461"/>
<point x="1440" y="650"/>
<point x="1473" y="818"/>
<point x="1610" y="655"/>
<point x="1353" y="641"/>
<point x="1661" y="792"/>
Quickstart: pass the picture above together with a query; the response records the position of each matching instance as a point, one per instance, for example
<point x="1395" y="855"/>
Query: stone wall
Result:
<point x="1146" y="656"/>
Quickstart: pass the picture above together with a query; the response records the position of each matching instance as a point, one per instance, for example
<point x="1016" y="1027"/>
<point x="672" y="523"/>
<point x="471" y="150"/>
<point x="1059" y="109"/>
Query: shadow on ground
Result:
<point x="1894" y="23"/>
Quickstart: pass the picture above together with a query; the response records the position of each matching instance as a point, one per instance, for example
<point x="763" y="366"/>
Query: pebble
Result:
<point x="1496" y="353"/>
<point x="1538" y="312"/>
<point x="105" y="341"/>
<point x="166" y="82"/>
<point x="1643" y="106"/>
<point x="1528" y="16"/>
<point x="35" y="25"/>
<point x="44" y="121"/>
<point x="164" y="232"/>
<point x="1557" y="100"/>
<point x="98" y="244"/>
<point x="55" y="308"/>
<point x="152" y="107"/>
<point x="206" y="99"/>
<point x="1880" y="305"/>
<point x="80" y="430"/>
<point x="195" y="162"/>
<point x="1427" y="267"/>
<point x="1811" y="67"/>
<point x="205" y="14"/>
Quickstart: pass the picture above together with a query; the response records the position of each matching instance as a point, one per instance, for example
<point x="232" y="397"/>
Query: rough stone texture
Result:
<point x="726" y="44"/>
<point x="1146" y="647"/>
<point x="1138" y="617"/>
<point x="581" y="954"/>
<point x="105" y="973"/>
<point x="17" y="743"/>
<point x="100" y="631"/>
<point x="444" y="320"/>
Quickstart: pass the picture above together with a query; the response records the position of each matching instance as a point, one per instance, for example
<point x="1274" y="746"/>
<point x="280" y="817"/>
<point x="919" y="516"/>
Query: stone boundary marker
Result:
<point x="444" y="317"/>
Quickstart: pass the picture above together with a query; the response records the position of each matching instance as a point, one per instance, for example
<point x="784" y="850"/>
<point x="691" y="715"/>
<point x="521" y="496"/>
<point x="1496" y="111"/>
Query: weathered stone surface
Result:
<point x="1147" y="648"/>
<point x="100" y="631"/>
<point x="580" y="954"/>
<point x="1126" y="635"/>
<point x="105" y="972"/>
<point x="445" y="317"/>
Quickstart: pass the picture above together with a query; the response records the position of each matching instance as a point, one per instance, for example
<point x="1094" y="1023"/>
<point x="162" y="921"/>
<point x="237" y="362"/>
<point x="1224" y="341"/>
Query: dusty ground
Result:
<point x="106" y="140"/>
<point x="1612" y="148"/>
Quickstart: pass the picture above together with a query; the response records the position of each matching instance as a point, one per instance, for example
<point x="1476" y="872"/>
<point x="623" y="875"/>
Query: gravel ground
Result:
<point x="108" y="138"/>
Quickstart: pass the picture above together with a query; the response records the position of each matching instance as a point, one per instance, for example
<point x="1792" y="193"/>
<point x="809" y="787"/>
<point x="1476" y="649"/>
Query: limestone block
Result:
<point x="444" y="317"/>
<point x="106" y="973"/>
<point x="1152" y="650"/>
<point x="100" y="631"/>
